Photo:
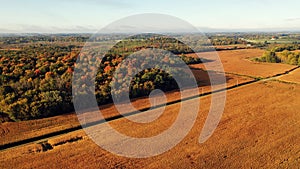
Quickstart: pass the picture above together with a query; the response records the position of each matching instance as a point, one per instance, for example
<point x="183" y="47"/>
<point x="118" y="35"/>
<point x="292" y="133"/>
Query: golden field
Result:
<point x="259" y="126"/>
<point x="238" y="62"/>
<point x="252" y="133"/>
<point x="16" y="131"/>
<point x="293" y="77"/>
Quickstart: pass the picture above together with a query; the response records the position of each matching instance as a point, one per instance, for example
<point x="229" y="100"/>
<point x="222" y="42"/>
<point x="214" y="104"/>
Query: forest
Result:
<point x="36" y="77"/>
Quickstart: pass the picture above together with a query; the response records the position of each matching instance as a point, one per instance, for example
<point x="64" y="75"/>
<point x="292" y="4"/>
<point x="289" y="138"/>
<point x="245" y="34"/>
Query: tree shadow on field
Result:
<point x="203" y="79"/>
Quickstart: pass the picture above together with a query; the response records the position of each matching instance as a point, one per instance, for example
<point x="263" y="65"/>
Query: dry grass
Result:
<point x="27" y="129"/>
<point x="293" y="77"/>
<point x="259" y="128"/>
<point x="70" y="138"/>
<point x="234" y="61"/>
<point x="15" y="131"/>
<point x="237" y="61"/>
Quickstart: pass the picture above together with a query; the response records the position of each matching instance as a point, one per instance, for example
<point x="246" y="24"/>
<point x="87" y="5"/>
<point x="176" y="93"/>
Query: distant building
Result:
<point x="274" y="38"/>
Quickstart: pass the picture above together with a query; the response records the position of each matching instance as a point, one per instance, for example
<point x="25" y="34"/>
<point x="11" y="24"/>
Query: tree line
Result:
<point x="35" y="81"/>
<point x="281" y="54"/>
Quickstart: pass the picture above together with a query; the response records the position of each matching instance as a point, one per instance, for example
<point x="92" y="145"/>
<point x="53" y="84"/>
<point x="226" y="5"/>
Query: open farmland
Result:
<point x="237" y="61"/>
<point x="17" y="131"/>
<point x="101" y="84"/>
<point x="277" y="41"/>
<point x="293" y="77"/>
<point x="259" y="127"/>
<point x="250" y="134"/>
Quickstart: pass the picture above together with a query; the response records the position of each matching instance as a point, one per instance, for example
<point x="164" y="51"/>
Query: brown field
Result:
<point x="237" y="61"/>
<point x="293" y="77"/>
<point x="259" y="127"/>
<point x="16" y="131"/>
<point x="236" y="46"/>
<point x="250" y="135"/>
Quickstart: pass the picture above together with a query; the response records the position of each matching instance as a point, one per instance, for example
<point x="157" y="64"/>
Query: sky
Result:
<point x="67" y="16"/>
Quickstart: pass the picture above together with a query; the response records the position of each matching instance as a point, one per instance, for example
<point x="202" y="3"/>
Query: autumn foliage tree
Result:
<point x="35" y="81"/>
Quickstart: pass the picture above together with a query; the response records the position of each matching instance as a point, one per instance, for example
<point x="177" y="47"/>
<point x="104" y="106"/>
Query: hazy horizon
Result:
<point x="76" y="16"/>
<point x="203" y="30"/>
